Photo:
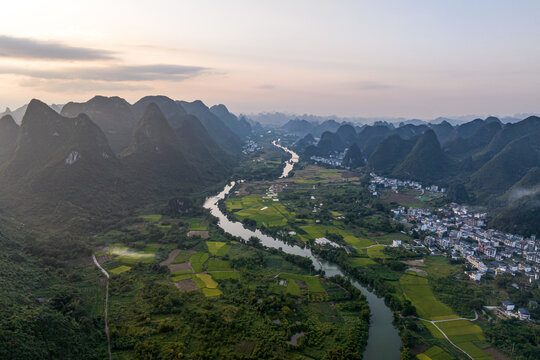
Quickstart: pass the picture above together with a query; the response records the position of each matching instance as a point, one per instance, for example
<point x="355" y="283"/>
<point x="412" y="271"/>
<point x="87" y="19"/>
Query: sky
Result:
<point x="415" y="59"/>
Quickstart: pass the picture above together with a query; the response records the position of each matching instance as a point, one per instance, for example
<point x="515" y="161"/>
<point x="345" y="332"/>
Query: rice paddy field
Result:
<point x="218" y="248"/>
<point x="196" y="224"/>
<point x="464" y="334"/>
<point x="416" y="288"/>
<point x="265" y="211"/>
<point x="435" y="353"/>
<point x="197" y="261"/>
<point x="218" y="265"/>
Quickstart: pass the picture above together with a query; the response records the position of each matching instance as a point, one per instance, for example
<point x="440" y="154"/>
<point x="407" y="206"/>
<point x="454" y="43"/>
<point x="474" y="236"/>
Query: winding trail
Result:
<point x="447" y="338"/>
<point x="106" y="306"/>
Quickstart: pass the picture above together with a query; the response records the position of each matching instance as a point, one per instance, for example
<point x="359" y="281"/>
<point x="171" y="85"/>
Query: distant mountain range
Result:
<point x="490" y="161"/>
<point x="106" y="156"/>
<point x="278" y="119"/>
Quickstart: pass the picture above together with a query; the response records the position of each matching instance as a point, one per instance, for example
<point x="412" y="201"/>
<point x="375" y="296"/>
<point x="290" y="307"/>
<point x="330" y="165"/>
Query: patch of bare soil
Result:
<point x="180" y="267"/>
<point x="171" y="257"/>
<point x="415" y="262"/>
<point x="201" y="233"/>
<point x="496" y="354"/>
<point x="186" y="285"/>
<point x="302" y="285"/>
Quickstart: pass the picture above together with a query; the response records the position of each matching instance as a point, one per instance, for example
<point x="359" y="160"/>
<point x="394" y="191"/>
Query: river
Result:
<point x="383" y="342"/>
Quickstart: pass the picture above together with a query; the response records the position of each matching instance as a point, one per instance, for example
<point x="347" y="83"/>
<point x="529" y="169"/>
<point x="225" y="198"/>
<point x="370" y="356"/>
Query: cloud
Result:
<point x="519" y="193"/>
<point x="26" y="48"/>
<point x="266" y="86"/>
<point x="368" y="85"/>
<point x="113" y="73"/>
<point x="82" y="85"/>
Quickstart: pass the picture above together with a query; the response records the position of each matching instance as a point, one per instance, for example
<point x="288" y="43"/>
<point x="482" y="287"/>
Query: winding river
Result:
<point x="383" y="342"/>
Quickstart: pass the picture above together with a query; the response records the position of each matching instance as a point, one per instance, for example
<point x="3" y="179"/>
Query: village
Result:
<point x="395" y="184"/>
<point x="458" y="232"/>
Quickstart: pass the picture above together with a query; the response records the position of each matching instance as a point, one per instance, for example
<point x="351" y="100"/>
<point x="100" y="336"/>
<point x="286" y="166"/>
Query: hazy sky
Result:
<point x="352" y="58"/>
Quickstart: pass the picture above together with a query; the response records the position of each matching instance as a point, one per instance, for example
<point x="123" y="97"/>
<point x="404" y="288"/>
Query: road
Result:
<point x="442" y="332"/>
<point x="106" y="306"/>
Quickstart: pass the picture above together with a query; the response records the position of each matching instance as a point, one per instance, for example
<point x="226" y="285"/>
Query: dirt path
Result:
<point x="107" y="333"/>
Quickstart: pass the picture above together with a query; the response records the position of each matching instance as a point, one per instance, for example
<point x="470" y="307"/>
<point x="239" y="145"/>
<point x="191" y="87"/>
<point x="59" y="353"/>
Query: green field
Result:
<point x="151" y="217"/>
<point x="225" y="275"/>
<point x="208" y="281"/>
<point x="466" y="335"/>
<point x="120" y="269"/>
<point x="215" y="246"/>
<point x="435" y="353"/>
<point x="181" y="272"/>
<point x="198" y="260"/>
<point x="416" y="288"/>
<point x="182" y="257"/>
<point x="293" y="288"/>
<point x="377" y="251"/>
<point x="218" y="265"/>
<point x="196" y="224"/>
<point x="315" y="231"/>
<point x="313" y="282"/>
<point x="181" y="277"/>
<point x="265" y="211"/>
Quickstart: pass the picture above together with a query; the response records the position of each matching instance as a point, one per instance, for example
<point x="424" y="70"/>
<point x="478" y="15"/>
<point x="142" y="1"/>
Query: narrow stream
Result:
<point x="384" y="342"/>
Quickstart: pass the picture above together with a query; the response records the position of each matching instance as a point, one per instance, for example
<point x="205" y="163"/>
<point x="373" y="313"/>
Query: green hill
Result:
<point x="240" y="127"/>
<point x="113" y="115"/>
<point x="353" y="157"/>
<point x="426" y="161"/>
<point x="216" y="128"/>
<point x="390" y="153"/>
<point x="62" y="168"/>
<point x="507" y="167"/>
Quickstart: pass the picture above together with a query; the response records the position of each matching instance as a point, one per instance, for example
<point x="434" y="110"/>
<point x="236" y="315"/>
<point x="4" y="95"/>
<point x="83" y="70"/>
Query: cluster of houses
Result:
<point x="462" y="233"/>
<point x="395" y="184"/>
<point x="508" y="308"/>
<point x="334" y="160"/>
<point x="249" y="147"/>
